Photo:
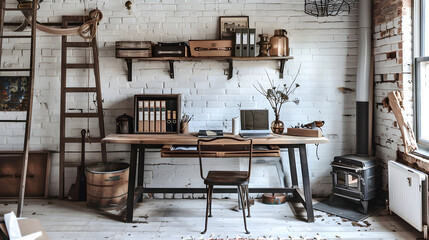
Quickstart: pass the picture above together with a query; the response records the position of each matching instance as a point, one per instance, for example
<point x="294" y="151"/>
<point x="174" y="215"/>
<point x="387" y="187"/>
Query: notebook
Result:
<point x="254" y="123"/>
<point x="210" y="133"/>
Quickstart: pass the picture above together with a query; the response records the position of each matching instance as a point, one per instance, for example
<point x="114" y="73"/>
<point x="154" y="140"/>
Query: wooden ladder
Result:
<point x="66" y="21"/>
<point x="30" y="73"/>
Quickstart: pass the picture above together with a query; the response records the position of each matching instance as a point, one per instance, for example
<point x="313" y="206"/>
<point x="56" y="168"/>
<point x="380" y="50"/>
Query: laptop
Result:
<point x="254" y="123"/>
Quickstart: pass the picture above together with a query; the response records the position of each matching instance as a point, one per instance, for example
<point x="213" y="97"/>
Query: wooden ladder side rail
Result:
<point x="394" y="102"/>
<point x="62" y="110"/>
<point x="99" y="97"/>
<point x="2" y="13"/>
<point x="30" y="93"/>
<point x="63" y="115"/>
<point x="29" y="111"/>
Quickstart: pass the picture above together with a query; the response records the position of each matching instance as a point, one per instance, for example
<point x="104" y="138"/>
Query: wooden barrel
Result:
<point x="107" y="185"/>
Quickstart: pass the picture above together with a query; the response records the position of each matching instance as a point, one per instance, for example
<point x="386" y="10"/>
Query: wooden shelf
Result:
<point x="230" y="60"/>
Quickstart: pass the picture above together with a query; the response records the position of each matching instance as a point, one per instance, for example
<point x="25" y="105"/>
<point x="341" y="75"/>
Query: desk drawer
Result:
<point x="191" y="151"/>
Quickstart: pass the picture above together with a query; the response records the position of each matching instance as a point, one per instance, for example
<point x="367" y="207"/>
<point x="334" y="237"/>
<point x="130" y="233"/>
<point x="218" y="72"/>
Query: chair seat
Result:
<point x="227" y="178"/>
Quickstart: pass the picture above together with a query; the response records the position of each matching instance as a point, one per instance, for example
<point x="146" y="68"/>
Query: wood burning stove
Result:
<point x="354" y="178"/>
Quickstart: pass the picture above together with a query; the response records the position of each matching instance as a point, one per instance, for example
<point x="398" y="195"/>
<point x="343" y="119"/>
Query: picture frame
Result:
<point x="228" y="24"/>
<point x="14" y="93"/>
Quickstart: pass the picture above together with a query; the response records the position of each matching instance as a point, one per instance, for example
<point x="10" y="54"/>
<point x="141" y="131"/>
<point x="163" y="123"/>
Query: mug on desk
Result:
<point x="184" y="127"/>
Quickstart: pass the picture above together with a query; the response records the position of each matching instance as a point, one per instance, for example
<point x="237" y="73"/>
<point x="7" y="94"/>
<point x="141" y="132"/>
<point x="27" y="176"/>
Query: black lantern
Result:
<point x="124" y="124"/>
<point x="324" y="8"/>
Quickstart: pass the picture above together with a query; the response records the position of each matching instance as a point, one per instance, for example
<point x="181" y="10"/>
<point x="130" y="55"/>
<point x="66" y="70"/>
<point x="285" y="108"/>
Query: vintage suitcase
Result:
<point x="133" y="49"/>
<point x="211" y="48"/>
<point x="174" y="49"/>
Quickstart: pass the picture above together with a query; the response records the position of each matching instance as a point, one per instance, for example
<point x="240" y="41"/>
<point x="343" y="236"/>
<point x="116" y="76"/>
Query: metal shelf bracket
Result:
<point x="230" y="69"/>
<point x="130" y="69"/>
<point x="282" y="67"/>
<point x="171" y="63"/>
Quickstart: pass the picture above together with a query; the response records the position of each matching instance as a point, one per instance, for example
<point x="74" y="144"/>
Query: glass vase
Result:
<point x="277" y="126"/>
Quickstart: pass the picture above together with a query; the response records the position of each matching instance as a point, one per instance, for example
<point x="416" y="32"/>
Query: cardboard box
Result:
<point x="28" y="226"/>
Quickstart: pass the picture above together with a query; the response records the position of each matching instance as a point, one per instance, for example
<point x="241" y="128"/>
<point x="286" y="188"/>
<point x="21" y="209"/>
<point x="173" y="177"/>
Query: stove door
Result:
<point x="348" y="180"/>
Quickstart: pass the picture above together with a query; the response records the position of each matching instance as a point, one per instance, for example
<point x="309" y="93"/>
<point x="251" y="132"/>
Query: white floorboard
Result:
<point x="184" y="219"/>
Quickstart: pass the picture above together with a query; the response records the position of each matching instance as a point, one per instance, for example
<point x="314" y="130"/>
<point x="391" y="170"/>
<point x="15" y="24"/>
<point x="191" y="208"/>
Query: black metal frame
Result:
<point x="136" y="194"/>
<point x="418" y="106"/>
<point x="419" y="31"/>
<point x="242" y="188"/>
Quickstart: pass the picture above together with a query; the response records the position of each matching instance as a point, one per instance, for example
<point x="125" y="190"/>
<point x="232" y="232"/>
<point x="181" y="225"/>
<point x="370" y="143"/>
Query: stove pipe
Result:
<point x="363" y="76"/>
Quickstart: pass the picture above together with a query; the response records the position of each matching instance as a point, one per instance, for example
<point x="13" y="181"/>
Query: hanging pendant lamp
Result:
<point x="325" y="8"/>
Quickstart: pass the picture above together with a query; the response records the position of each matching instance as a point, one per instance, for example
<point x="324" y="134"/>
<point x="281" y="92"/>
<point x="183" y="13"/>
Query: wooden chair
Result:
<point x="226" y="147"/>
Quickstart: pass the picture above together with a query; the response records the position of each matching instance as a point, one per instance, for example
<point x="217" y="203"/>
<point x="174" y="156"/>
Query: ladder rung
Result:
<point x="15" y="70"/>
<point x="71" y="164"/>
<point x="81" y="89"/>
<point x="79" y="65"/>
<point x="79" y="140"/>
<point x="17" y="121"/>
<point x="15" y="36"/>
<point x="15" y="9"/>
<point x="79" y="44"/>
<point x="81" y="115"/>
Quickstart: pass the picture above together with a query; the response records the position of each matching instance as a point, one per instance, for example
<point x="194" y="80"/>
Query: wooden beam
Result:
<point x="394" y="102"/>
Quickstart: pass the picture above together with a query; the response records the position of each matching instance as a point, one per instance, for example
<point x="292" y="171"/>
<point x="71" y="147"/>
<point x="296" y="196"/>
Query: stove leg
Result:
<point x="365" y="206"/>
<point x="331" y="199"/>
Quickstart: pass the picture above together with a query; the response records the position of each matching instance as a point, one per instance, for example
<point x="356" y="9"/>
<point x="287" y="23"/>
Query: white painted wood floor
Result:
<point x="184" y="219"/>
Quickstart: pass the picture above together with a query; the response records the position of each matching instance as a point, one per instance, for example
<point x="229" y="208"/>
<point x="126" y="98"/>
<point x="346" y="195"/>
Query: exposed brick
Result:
<point x="392" y="18"/>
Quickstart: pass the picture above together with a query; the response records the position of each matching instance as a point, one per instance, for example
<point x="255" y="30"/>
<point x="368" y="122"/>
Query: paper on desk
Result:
<point x="184" y="148"/>
<point x="13" y="229"/>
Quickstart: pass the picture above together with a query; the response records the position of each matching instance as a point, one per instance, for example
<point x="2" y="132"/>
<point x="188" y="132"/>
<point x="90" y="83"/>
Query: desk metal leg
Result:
<point x="281" y="172"/>
<point x="140" y="179"/>
<point x="306" y="182"/>
<point x="131" y="184"/>
<point x="292" y="165"/>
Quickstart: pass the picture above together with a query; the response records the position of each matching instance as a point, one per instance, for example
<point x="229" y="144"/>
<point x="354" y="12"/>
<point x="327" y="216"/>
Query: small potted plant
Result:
<point x="277" y="96"/>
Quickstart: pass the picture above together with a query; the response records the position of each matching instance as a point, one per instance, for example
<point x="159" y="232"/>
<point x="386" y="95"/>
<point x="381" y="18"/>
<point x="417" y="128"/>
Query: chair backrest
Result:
<point x="225" y="147"/>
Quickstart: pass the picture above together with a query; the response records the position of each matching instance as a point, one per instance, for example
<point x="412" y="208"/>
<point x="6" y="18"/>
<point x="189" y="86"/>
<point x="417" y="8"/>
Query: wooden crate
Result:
<point x="133" y="49"/>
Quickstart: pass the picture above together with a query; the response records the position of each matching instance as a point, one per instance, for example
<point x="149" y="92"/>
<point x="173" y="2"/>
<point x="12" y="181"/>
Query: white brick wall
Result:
<point x="326" y="48"/>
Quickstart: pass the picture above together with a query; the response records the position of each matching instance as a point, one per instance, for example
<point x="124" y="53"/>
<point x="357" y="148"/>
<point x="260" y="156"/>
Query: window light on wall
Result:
<point x="325" y="8"/>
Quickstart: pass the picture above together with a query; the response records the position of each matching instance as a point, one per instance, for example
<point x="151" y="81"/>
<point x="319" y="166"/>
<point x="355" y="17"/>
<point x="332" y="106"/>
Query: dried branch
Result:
<point x="277" y="96"/>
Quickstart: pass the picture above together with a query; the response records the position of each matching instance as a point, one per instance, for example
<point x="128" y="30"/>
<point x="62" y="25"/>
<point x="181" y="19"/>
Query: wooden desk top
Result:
<point x="189" y="139"/>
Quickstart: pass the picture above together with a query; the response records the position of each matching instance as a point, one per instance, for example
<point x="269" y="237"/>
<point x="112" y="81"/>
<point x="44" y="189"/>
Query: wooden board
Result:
<point x="395" y="100"/>
<point x="304" y="132"/>
<point x="212" y="58"/>
<point x="189" y="139"/>
<point x="37" y="174"/>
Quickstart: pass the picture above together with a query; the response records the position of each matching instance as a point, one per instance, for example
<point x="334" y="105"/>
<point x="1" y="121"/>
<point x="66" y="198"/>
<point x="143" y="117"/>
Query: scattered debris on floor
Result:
<point x="139" y="221"/>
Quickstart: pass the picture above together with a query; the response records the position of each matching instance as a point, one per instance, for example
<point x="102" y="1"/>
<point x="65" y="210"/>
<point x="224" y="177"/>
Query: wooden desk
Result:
<point x="139" y="142"/>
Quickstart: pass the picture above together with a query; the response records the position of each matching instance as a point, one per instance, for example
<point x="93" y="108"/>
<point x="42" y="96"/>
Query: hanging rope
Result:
<point x="87" y="30"/>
